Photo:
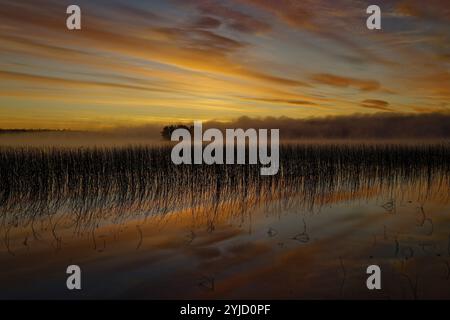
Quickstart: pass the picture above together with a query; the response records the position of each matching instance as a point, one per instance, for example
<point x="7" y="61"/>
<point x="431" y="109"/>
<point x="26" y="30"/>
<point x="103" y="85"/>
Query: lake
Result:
<point x="141" y="227"/>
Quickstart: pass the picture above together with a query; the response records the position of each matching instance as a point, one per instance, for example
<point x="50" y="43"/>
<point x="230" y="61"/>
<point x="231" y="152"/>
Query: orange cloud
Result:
<point x="285" y="101"/>
<point x="346" y="82"/>
<point x="376" y="104"/>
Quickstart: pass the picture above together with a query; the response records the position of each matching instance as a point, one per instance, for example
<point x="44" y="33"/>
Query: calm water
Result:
<point x="305" y="234"/>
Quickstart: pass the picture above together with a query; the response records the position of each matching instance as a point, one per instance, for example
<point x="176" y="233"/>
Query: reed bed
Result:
<point x="91" y="184"/>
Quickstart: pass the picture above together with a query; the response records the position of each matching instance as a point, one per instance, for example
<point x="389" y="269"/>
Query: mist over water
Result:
<point x="379" y="127"/>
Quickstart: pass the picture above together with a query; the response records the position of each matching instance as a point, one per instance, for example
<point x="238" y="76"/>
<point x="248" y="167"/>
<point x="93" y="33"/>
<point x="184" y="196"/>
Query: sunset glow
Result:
<point x="136" y="62"/>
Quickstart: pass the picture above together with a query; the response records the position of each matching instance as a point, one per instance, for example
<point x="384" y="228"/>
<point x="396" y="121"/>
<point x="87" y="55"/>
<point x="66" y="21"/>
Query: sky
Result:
<point x="138" y="62"/>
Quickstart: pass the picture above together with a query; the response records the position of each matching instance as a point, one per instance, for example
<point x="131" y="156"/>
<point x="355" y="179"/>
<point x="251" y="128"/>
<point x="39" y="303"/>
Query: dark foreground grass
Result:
<point x="87" y="183"/>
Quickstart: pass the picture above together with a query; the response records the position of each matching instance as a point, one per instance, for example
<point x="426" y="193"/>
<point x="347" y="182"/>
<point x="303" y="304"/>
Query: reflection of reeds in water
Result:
<point x="93" y="184"/>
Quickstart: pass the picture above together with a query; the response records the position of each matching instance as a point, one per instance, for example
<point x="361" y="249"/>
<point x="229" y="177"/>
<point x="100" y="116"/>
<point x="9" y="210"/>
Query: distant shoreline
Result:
<point x="12" y="131"/>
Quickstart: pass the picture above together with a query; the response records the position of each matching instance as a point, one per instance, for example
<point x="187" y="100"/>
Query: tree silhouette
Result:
<point x="167" y="131"/>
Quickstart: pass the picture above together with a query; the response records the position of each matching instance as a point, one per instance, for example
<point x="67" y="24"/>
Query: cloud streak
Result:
<point x="346" y="82"/>
<point x="376" y="104"/>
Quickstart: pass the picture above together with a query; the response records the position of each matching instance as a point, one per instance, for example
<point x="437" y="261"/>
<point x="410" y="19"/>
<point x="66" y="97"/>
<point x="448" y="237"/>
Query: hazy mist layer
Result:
<point x="356" y="127"/>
